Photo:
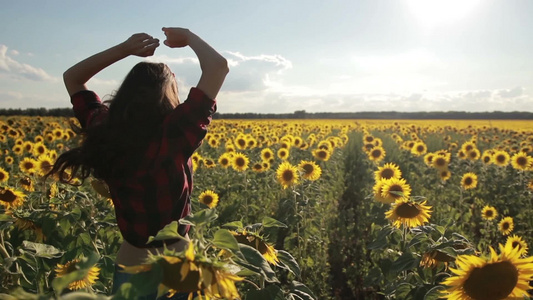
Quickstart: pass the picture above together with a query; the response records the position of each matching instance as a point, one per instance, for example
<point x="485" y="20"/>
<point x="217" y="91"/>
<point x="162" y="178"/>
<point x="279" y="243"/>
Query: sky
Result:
<point x="317" y="56"/>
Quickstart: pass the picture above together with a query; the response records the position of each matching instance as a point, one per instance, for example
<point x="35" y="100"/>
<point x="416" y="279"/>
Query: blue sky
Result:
<point x="318" y="56"/>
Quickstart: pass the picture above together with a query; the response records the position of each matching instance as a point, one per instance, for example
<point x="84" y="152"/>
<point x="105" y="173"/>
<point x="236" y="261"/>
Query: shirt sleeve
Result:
<point x="186" y="126"/>
<point x="87" y="107"/>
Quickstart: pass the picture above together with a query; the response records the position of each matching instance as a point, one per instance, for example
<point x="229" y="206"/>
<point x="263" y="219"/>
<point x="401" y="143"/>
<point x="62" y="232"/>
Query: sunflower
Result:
<point x="26" y="183"/>
<point x="530" y="184"/>
<point x="240" y="162"/>
<point x="388" y="171"/>
<point x="489" y="213"/>
<point x="257" y="167"/>
<point x="501" y="158"/>
<point x="266" y="165"/>
<point x="321" y="154"/>
<point x="283" y="153"/>
<point x="394" y="189"/>
<point x="521" y="161"/>
<point x="209" y="198"/>
<point x="428" y="159"/>
<point x="517" y="242"/>
<point x="256" y="241"/>
<point x="433" y="258"/>
<point x="11" y="198"/>
<point x="28" y="165"/>
<point x="287" y="175"/>
<point x="26" y="224"/>
<point x="311" y="171"/>
<point x="506" y="225"/>
<point x="376" y="154"/>
<point x="88" y="280"/>
<point x="9" y="160"/>
<point x="503" y="276"/>
<point x="445" y="174"/>
<point x="440" y="162"/>
<point x="419" y="148"/>
<point x="486" y="158"/>
<point x="473" y="154"/>
<point x="267" y="154"/>
<point x="224" y="160"/>
<point x="39" y="149"/>
<point x="469" y="181"/>
<point x="378" y="190"/>
<point x="187" y="273"/>
<point x="27" y="146"/>
<point x="44" y="164"/>
<point x="408" y="213"/>
<point x="17" y="150"/>
<point x="4" y="175"/>
<point x="209" y="163"/>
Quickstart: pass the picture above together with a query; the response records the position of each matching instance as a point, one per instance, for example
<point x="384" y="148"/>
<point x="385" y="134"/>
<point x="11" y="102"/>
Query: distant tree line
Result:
<point x="302" y="114"/>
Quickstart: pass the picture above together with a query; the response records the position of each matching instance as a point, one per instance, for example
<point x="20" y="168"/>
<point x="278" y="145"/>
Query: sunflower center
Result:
<point x="28" y="165"/>
<point x="287" y="175"/>
<point x="308" y="168"/>
<point x="505" y="225"/>
<point x="492" y="282"/>
<point x="440" y="161"/>
<point x="2" y="176"/>
<point x="322" y="154"/>
<point x="207" y="199"/>
<point x="489" y="213"/>
<point x="376" y="153"/>
<point x="521" y="161"/>
<point x="516" y="244"/>
<point x="224" y="161"/>
<point x="407" y="210"/>
<point x="240" y="162"/>
<point x="387" y="173"/>
<point x="500" y="158"/>
<point x="8" y="196"/>
<point x="266" y="155"/>
<point x="420" y="149"/>
<point x="486" y="159"/>
<point x="468" y="181"/>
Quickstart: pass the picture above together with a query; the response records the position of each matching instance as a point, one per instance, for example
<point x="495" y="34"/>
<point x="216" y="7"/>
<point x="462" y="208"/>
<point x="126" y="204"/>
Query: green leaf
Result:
<point x="60" y="283"/>
<point x="270" y="222"/>
<point x="402" y="290"/>
<point x="65" y="226"/>
<point x="223" y="239"/>
<point x="381" y="240"/>
<point x="234" y="224"/>
<point x="289" y="262"/>
<point x="200" y="218"/>
<point x="434" y="293"/>
<point x="168" y="232"/>
<point x="125" y="292"/>
<point x="42" y="250"/>
<point x="145" y="283"/>
<point x="6" y="218"/>
<point x="83" y="239"/>
<point x="302" y="291"/>
<point x="271" y="292"/>
<point x="405" y="262"/>
<point x="254" y="261"/>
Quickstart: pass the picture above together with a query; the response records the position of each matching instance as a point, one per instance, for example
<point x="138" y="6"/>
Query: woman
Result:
<point x="141" y="145"/>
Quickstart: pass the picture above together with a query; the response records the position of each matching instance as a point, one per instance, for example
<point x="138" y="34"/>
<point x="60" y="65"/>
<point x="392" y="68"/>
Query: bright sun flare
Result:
<point x="431" y="13"/>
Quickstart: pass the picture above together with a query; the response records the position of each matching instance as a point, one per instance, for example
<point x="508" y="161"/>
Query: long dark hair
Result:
<point x="136" y="111"/>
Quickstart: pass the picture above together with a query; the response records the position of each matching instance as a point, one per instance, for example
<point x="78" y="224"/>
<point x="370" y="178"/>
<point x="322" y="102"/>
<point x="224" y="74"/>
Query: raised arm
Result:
<point x="214" y="66"/>
<point x="140" y="44"/>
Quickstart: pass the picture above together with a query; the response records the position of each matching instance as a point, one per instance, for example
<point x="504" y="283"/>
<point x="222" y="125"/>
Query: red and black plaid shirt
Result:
<point x="158" y="192"/>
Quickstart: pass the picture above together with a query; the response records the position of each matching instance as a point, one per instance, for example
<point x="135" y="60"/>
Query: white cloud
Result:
<point x="173" y="60"/>
<point x="511" y="93"/>
<point x="15" y="69"/>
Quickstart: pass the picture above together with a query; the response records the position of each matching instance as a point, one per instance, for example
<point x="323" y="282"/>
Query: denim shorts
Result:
<point x="120" y="277"/>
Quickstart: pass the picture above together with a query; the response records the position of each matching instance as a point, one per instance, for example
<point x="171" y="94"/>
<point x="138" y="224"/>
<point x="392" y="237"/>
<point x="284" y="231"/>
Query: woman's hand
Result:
<point x="140" y="44"/>
<point x="176" y="37"/>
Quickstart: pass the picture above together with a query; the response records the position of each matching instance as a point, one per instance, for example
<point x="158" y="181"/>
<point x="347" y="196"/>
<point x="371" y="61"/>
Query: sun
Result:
<point x="433" y="13"/>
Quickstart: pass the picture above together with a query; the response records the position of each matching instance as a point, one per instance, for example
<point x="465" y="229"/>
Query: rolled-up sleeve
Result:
<point x="186" y="126"/>
<point x="87" y="107"/>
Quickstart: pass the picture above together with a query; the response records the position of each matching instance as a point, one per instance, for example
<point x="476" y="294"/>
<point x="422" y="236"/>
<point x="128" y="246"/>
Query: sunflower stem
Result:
<point x="3" y="249"/>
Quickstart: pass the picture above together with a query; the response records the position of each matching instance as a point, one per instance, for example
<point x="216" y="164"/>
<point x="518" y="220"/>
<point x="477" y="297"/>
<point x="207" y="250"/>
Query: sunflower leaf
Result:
<point x="6" y="218"/>
<point x="43" y="250"/>
<point x="254" y="261"/>
<point x="289" y="262"/>
<point x="271" y="292"/>
<point x="202" y="217"/>
<point x="271" y="222"/>
<point x="406" y="261"/>
<point x="301" y="291"/>
<point x="169" y="232"/>
<point x="223" y="239"/>
<point x="234" y="224"/>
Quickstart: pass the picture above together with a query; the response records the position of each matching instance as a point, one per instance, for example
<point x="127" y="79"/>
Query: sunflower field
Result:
<point x="288" y="209"/>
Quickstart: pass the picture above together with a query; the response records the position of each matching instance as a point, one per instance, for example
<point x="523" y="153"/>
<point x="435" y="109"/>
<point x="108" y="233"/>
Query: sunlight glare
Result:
<point x="431" y="13"/>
